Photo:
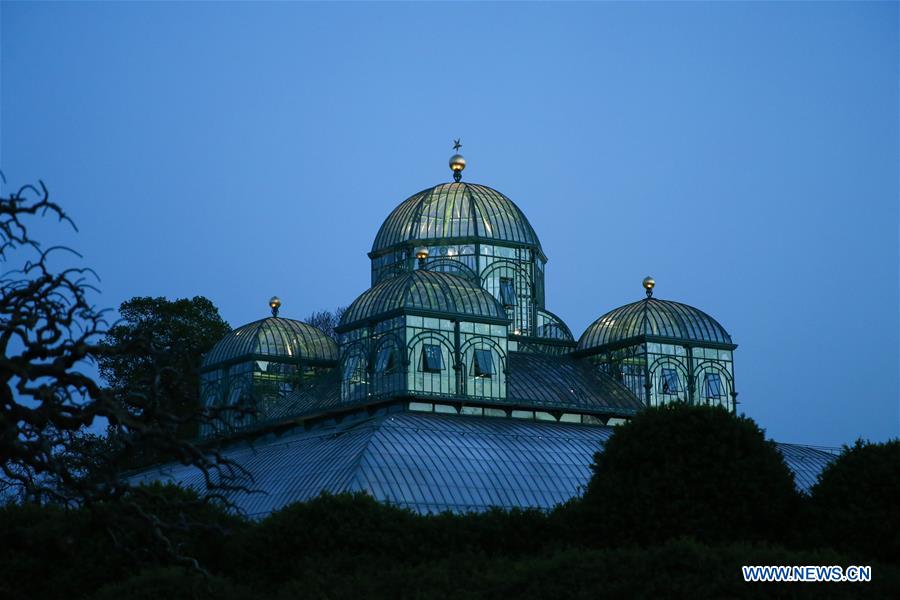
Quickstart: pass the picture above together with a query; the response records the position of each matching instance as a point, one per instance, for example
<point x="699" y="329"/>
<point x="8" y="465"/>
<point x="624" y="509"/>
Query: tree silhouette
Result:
<point x="50" y="332"/>
<point x="326" y="320"/>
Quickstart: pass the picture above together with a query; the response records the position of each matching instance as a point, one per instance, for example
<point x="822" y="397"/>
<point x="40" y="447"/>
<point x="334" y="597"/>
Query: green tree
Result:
<point x="681" y="470"/>
<point x="159" y="343"/>
<point x="856" y="502"/>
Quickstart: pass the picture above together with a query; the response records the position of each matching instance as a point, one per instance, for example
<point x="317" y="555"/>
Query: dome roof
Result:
<point x="455" y="210"/>
<point x="663" y="320"/>
<point x="273" y="338"/>
<point x="427" y="293"/>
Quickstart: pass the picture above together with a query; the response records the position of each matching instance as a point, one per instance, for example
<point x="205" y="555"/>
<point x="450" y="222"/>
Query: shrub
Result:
<point x="856" y="503"/>
<point x="681" y="470"/>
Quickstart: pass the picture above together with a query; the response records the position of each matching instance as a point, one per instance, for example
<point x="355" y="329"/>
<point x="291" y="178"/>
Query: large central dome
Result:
<point x="456" y="212"/>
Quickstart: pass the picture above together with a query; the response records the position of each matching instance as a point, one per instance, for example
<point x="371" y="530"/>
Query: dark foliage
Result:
<point x="683" y="470"/>
<point x="855" y="505"/>
<point x="341" y="532"/>
<point x="350" y="546"/>
<point x="56" y="552"/>
<point x="162" y="339"/>
<point x="173" y="583"/>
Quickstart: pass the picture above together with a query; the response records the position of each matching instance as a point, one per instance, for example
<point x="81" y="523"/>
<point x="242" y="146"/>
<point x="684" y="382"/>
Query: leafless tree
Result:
<point x="49" y="332"/>
<point x="327" y="320"/>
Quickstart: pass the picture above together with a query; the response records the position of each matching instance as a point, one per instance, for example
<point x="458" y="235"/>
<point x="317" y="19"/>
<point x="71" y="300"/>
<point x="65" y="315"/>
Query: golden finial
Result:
<point x="422" y="255"/>
<point x="274" y="304"/>
<point x="457" y="162"/>
<point x="648" y="284"/>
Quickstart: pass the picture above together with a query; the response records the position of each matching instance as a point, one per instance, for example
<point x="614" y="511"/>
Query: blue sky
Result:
<point x="745" y="155"/>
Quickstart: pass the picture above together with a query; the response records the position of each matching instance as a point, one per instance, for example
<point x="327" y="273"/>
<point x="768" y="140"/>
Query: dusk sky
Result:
<point x="745" y="155"/>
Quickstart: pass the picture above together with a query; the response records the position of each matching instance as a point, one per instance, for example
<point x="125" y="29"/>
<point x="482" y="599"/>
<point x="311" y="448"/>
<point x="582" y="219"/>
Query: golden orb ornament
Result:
<point x="457" y="164"/>
<point x="648" y="284"/>
<point x="274" y="304"/>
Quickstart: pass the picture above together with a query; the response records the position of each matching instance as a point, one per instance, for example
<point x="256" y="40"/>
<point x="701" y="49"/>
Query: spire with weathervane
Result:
<point x="457" y="161"/>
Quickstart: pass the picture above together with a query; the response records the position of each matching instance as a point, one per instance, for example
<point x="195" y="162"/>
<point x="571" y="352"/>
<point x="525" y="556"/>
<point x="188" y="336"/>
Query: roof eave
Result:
<point x="642" y="339"/>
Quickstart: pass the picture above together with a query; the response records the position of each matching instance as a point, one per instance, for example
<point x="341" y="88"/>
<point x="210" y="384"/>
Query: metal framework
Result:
<point x="473" y="231"/>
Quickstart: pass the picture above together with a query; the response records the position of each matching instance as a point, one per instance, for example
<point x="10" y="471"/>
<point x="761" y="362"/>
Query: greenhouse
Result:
<point x="450" y="385"/>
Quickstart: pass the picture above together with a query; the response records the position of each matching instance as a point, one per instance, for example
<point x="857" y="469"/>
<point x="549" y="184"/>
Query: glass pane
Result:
<point x="713" y="385"/>
<point x="386" y="361"/>
<point x="432" y="358"/>
<point x="670" y="382"/>
<point x="507" y="292"/>
<point x="483" y="363"/>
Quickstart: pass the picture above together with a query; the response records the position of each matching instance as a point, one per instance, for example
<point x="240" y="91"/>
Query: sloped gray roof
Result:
<point x="561" y="382"/>
<point x="433" y="463"/>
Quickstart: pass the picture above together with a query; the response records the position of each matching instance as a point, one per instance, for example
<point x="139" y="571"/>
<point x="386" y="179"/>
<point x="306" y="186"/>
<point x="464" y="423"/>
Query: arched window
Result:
<point x="482" y="368"/>
<point x="714" y="384"/>
<point x="354" y="375"/>
<point x="431" y="359"/>
<point x="670" y="380"/>
<point x="511" y="284"/>
<point x="387" y="374"/>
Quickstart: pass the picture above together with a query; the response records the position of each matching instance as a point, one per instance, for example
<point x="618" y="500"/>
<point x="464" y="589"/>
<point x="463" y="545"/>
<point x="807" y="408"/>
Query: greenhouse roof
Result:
<point x="272" y="338"/>
<point x="654" y="320"/>
<point x="428" y="293"/>
<point x="455" y="211"/>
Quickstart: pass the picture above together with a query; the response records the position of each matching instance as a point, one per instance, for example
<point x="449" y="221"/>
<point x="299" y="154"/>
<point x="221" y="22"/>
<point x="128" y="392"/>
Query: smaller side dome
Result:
<point x="658" y="320"/>
<point x="273" y="338"/>
<point x="427" y="293"/>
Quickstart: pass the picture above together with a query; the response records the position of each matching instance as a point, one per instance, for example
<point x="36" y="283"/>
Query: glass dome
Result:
<point x="273" y="338"/>
<point x="658" y="320"/>
<point x="455" y="211"/>
<point x="428" y="293"/>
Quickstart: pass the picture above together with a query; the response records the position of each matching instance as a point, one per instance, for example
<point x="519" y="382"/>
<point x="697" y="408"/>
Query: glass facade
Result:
<point x="433" y="357"/>
<point x="256" y="367"/>
<point x="660" y="373"/>
<point x="447" y="337"/>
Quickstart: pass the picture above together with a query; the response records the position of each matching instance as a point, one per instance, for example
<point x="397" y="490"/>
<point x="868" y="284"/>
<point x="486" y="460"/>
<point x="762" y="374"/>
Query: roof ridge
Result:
<point x="355" y="470"/>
